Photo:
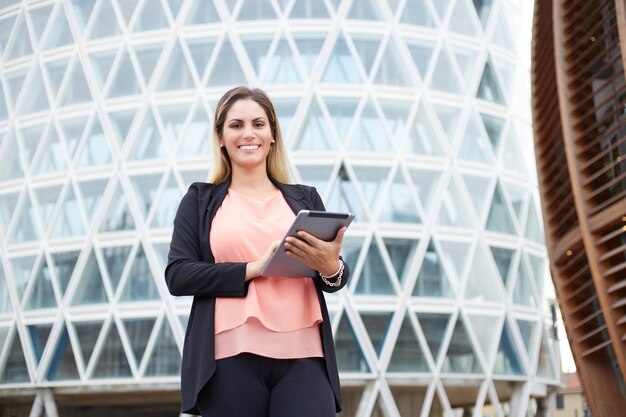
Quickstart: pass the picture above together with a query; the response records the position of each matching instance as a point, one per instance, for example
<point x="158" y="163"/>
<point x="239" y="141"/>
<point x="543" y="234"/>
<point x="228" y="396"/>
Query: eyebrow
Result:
<point x="254" y="120"/>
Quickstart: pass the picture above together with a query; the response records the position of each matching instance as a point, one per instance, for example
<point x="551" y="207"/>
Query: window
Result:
<point x="559" y="402"/>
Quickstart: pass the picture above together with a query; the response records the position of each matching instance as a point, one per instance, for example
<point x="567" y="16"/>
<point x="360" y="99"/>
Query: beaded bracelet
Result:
<point x="336" y="276"/>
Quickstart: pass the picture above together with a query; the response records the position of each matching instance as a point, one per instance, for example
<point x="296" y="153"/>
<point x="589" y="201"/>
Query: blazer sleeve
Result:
<point x="318" y="204"/>
<point x="186" y="273"/>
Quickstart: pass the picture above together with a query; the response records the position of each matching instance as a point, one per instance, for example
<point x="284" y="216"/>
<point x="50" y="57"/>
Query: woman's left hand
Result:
<point x="316" y="253"/>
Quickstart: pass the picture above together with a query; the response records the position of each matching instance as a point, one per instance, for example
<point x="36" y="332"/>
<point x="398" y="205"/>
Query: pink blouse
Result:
<point x="280" y="316"/>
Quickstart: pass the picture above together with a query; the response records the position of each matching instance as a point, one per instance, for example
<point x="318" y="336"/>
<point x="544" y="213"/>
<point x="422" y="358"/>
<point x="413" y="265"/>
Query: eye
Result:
<point x="235" y="126"/>
<point x="259" y="124"/>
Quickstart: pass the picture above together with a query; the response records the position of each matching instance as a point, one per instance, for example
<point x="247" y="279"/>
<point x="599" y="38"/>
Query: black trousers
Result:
<point x="249" y="385"/>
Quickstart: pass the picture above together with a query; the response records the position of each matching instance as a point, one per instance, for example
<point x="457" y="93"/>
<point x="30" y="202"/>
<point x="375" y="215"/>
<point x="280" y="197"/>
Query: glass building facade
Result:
<point x="413" y="114"/>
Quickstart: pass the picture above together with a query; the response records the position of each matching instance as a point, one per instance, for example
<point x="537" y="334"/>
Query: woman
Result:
<point x="254" y="346"/>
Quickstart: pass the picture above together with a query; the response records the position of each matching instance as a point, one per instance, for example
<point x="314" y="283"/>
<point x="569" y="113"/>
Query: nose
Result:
<point x="248" y="131"/>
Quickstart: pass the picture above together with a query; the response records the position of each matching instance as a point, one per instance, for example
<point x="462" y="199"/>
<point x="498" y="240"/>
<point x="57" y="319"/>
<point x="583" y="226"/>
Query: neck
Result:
<point x="255" y="179"/>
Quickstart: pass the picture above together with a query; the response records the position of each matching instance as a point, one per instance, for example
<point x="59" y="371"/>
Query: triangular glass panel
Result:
<point x="517" y="195"/>
<point x="462" y="20"/>
<point x="125" y="82"/>
<point x="460" y="356"/>
<point x="422" y="138"/>
<point x="374" y="278"/>
<point x="341" y="111"/>
<point x="165" y="357"/>
<point x="56" y="71"/>
<point x="138" y="331"/>
<point x="343" y="197"/>
<point x="36" y="92"/>
<point x="512" y="157"/>
<point x="175" y="6"/>
<point x="59" y="33"/>
<point x="147" y="56"/>
<point x="507" y="71"/>
<point x="51" y="156"/>
<point x="426" y="184"/>
<point x="201" y="50"/>
<point x="478" y="189"/>
<point x="229" y="71"/>
<point x="502" y="34"/>
<point x="22" y="269"/>
<point x="456" y="255"/>
<point x="349" y="354"/>
<point x="118" y="216"/>
<point x="418" y="13"/>
<point x="105" y="23"/>
<point x="63" y="364"/>
<point x="194" y="175"/>
<point x="121" y="121"/>
<point x="15" y="369"/>
<point x="76" y="88"/>
<point x="524" y="294"/>
<point x="371" y="180"/>
<point x="257" y="48"/>
<point x="401" y="206"/>
<point x="82" y="11"/>
<point x="481" y="284"/>
<point x="499" y="219"/>
<point x="409" y="399"/>
<point x="366" y="47"/>
<point x="72" y="132"/>
<point x="494" y="126"/>
<point x="47" y="198"/>
<point x="128" y="7"/>
<point x="507" y="358"/>
<point x="167" y="205"/>
<point x="341" y="66"/>
<point x="193" y="141"/>
<point x="308" y="9"/>
<point x="448" y="119"/>
<point x="101" y="63"/>
<point x="421" y="52"/>
<point x="4" y="110"/>
<point x="176" y="75"/>
<point x="10" y="167"/>
<point x="202" y="12"/>
<point x="485" y="328"/>
<point x="441" y="6"/>
<point x="95" y="149"/>
<point x="90" y="288"/>
<point x="527" y="331"/>
<point x="377" y="326"/>
<point x="140" y="285"/>
<point x="396" y="115"/>
<point x="148" y="143"/>
<point x="7" y="208"/>
<point x="39" y="337"/>
<point x="256" y="10"/>
<point x="25" y="226"/>
<point x="42" y="293"/>
<point x="503" y="258"/>
<point x="407" y="355"/>
<point x="401" y="252"/>
<point x="64" y="264"/>
<point x="91" y="193"/>
<point x="22" y="45"/>
<point x="309" y="45"/>
<point x="432" y="280"/>
<point x="31" y="137"/>
<point x="483" y="8"/>
<point x="69" y="220"/>
<point x="370" y="133"/>
<point x="115" y="259"/>
<point x="282" y="67"/>
<point x="15" y="83"/>
<point x="314" y="136"/>
<point x="434" y="327"/>
<point x="351" y="249"/>
<point x="150" y="17"/>
<point x="392" y="69"/>
<point x="452" y="211"/>
<point x="538" y="269"/>
<point x="317" y="176"/>
<point x="112" y="362"/>
<point x="475" y="144"/>
<point x="173" y="119"/>
<point x="146" y="187"/>
<point x="6" y="28"/>
<point x="489" y="88"/>
<point x="365" y="10"/>
<point x="444" y="76"/>
<point x="87" y="333"/>
<point x="467" y="60"/>
<point x="5" y="300"/>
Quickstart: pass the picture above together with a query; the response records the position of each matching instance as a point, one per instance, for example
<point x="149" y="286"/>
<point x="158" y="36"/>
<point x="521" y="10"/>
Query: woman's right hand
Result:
<point x="254" y="269"/>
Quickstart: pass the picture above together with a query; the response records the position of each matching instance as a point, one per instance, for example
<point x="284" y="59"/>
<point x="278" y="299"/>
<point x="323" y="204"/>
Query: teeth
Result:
<point x="249" y="147"/>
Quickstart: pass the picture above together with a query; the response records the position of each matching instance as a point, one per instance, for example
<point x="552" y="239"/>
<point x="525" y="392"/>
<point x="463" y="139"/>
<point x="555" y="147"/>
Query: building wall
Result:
<point x="412" y="114"/>
<point x="574" y="405"/>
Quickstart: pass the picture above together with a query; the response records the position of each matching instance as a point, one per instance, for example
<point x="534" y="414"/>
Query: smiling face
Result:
<point x="246" y="135"/>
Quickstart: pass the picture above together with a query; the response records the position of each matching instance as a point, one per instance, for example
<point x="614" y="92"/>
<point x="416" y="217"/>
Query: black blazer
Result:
<point x="191" y="270"/>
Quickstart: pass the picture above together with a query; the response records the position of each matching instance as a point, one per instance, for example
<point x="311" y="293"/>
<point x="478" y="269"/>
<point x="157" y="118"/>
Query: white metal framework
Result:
<point x="414" y="114"/>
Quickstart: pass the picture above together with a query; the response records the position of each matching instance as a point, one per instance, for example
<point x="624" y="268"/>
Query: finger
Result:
<point x="339" y="236"/>
<point x="308" y="238"/>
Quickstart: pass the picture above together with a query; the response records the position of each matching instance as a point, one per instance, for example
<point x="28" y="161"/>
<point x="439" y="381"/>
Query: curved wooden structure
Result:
<point x="579" y="112"/>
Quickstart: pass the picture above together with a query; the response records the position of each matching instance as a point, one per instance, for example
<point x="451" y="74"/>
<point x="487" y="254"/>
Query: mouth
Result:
<point x="248" y="147"/>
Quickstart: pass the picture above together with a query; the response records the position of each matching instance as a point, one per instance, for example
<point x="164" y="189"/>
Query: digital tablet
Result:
<point x="321" y="224"/>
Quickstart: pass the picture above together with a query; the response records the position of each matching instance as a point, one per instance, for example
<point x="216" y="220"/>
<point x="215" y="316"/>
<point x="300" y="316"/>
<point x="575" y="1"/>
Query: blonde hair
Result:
<point x="277" y="165"/>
